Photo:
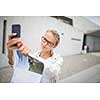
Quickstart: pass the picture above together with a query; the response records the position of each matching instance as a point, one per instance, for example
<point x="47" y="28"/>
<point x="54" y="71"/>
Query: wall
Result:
<point x="83" y="24"/>
<point x="34" y="27"/>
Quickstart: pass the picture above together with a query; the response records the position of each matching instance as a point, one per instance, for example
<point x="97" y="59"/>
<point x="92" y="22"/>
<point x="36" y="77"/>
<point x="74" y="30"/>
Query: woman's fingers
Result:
<point x="12" y="42"/>
<point x="25" y="52"/>
<point x="21" y="46"/>
<point x="11" y="35"/>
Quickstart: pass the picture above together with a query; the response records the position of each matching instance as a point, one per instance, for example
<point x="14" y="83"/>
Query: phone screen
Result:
<point x="16" y="28"/>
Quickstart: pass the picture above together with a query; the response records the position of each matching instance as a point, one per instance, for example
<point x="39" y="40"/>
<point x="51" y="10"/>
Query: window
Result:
<point x="64" y="19"/>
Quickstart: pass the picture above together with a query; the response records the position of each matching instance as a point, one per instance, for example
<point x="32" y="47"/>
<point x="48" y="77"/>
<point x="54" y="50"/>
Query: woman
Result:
<point x="53" y="61"/>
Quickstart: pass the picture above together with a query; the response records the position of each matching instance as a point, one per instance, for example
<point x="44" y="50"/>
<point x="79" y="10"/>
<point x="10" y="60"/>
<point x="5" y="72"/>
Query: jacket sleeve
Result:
<point x="20" y="60"/>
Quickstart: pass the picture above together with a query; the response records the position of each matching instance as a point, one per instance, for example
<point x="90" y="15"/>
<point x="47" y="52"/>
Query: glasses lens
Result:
<point x="48" y="42"/>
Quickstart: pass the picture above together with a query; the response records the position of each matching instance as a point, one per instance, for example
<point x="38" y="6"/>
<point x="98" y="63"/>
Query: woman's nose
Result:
<point x="45" y="43"/>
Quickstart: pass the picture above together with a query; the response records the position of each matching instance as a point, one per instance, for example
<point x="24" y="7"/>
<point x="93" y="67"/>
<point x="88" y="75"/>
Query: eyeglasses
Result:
<point x="49" y="43"/>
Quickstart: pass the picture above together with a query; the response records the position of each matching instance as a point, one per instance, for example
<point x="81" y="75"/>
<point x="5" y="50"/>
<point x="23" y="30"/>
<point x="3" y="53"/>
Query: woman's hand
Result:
<point x="23" y="49"/>
<point x="10" y="49"/>
<point x="21" y="46"/>
<point x="12" y="42"/>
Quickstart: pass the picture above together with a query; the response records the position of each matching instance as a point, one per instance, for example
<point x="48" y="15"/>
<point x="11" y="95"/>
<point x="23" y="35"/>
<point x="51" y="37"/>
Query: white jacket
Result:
<point x="52" y="67"/>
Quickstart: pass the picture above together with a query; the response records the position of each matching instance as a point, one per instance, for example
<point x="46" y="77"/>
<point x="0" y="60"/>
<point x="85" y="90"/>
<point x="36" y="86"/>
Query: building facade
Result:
<point x="70" y="28"/>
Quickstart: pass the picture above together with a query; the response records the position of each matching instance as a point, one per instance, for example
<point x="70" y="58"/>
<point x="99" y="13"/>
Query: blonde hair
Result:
<point x="55" y="33"/>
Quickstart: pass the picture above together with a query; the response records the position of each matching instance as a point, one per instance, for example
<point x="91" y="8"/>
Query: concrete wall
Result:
<point x="34" y="27"/>
<point x="83" y="24"/>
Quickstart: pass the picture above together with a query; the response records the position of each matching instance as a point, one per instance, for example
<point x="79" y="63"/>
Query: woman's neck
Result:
<point x="45" y="55"/>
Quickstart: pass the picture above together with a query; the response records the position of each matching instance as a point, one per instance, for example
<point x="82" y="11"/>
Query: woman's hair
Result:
<point x="55" y="33"/>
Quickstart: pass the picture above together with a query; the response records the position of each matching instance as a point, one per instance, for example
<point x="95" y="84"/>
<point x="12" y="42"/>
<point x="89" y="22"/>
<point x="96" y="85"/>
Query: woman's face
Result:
<point x="48" y="42"/>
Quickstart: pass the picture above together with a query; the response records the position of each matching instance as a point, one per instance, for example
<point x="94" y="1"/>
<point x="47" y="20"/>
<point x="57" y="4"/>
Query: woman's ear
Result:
<point x="54" y="46"/>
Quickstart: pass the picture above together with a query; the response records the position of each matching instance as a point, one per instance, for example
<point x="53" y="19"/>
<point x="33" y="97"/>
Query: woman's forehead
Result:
<point x="50" y="36"/>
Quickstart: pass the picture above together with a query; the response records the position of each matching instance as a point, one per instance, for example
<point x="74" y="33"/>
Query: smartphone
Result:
<point x="16" y="28"/>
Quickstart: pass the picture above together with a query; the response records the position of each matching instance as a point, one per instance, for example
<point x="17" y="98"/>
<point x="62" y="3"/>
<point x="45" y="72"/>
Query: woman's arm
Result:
<point x="21" y="47"/>
<point x="10" y="57"/>
<point x="10" y="49"/>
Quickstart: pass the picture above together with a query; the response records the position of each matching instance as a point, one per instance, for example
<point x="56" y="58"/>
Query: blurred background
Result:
<point x="79" y="45"/>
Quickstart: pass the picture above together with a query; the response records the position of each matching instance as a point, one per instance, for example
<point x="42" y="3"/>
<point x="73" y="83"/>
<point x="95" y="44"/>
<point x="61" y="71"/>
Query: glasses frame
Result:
<point x="49" y="43"/>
